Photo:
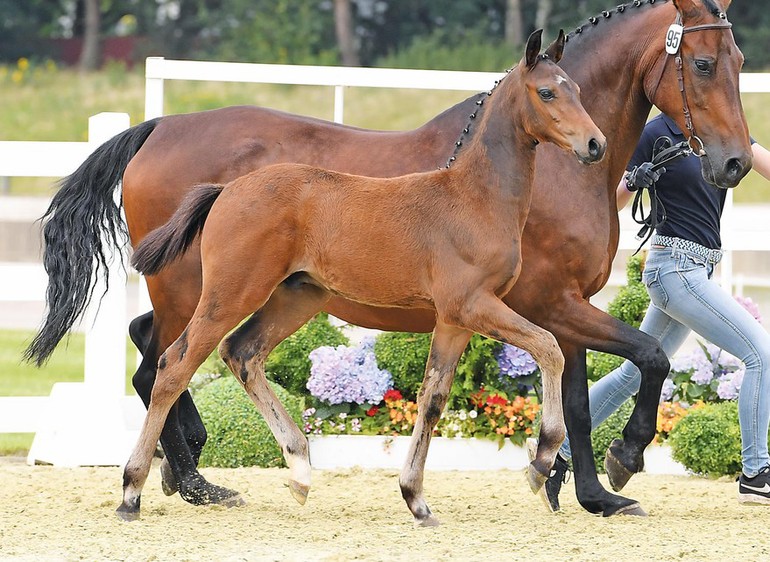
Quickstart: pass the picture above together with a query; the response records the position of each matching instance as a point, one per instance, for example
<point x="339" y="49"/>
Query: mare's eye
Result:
<point x="703" y="66"/>
<point x="546" y="94"/>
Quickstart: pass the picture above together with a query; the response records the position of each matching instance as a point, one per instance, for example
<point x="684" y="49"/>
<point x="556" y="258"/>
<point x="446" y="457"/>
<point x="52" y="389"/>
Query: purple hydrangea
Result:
<point x="730" y="384"/>
<point x="346" y="374"/>
<point x="667" y="391"/>
<point x="515" y="362"/>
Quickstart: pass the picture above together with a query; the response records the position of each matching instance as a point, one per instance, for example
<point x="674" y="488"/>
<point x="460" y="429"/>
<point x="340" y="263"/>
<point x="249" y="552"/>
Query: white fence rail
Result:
<point x="98" y="403"/>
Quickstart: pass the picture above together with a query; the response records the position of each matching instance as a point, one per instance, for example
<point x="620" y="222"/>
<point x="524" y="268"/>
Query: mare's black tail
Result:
<point x="83" y="209"/>
<point x="165" y="244"/>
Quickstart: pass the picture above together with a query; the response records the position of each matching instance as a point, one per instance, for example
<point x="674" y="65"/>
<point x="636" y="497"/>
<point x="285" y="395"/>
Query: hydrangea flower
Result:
<point x="346" y="374"/>
<point x="667" y="391"/>
<point x="730" y="384"/>
<point x="515" y="362"/>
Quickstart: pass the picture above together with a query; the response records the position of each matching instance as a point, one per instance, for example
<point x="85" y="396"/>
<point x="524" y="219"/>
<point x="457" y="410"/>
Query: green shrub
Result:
<point x="599" y="364"/>
<point x="237" y="433"/>
<point x="404" y="355"/>
<point x="708" y="440"/>
<point x="478" y="367"/>
<point x="629" y="306"/>
<point x="289" y="365"/>
<point x="632" y="300"/>
<point x="611" y="428"/>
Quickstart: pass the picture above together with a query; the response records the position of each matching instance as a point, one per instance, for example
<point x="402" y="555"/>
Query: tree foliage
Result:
<point x="303" y="30"/>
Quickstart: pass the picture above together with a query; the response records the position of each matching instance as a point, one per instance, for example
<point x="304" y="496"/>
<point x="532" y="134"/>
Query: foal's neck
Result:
<point x="500" y="154"/>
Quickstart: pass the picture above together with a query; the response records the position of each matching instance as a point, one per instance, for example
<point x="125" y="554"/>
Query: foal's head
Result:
<point x="552" y="109"/>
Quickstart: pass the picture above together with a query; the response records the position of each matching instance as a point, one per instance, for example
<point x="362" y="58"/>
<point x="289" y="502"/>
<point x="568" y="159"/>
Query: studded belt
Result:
<point x="711" y="256"/>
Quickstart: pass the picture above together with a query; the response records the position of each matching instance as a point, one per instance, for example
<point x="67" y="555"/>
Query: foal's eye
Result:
<point x="546" y="94"/>
<point x="703" y="66"/>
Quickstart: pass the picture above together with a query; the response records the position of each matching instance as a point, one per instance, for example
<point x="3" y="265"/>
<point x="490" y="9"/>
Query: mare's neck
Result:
<point x="610" y="60"/>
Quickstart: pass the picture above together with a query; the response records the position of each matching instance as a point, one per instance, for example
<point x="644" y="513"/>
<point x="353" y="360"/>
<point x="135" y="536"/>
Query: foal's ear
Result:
<point x="556" y="49"/>
<point x="533" y="48"/>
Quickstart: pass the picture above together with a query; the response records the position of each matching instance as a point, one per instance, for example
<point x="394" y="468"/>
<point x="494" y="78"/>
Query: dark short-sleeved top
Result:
<point x="693" y="206"/>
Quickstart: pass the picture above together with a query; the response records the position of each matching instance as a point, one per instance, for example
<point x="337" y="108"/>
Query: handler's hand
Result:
<point x="642" y="176"/>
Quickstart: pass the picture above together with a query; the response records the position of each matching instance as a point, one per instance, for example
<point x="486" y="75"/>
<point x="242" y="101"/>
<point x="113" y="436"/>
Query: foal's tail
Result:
<point x="163" y="245"/>
<point x="83" y="210"/>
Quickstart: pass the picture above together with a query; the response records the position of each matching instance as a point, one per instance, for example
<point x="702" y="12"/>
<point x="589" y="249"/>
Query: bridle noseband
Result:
<point x="698" y="149"/>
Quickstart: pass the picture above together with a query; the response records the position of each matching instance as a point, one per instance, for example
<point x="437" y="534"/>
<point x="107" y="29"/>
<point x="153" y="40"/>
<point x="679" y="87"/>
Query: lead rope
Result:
<point x="664" y="152"/>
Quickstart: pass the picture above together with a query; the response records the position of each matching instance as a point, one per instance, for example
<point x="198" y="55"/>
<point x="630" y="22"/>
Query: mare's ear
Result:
<point x="533" y="47"/>
<point x="556" y="49"/>
<point x="690" y="8"/>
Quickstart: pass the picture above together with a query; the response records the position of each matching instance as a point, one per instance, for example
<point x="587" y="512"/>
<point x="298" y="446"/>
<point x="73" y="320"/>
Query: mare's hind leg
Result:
<point x="488" y="315"/>
<point x="245" y="351"/>
<point x="446" y="348"/>
<point x="184" y="434"/>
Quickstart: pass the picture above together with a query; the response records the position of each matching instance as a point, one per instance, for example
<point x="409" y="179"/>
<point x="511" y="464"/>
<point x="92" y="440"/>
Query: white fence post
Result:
<point x="89" y="423"/>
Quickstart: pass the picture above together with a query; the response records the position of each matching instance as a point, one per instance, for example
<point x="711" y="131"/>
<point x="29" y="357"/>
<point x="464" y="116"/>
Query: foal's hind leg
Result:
<point x="175" y="369"/>
<point x="184" y="434"/>
<point x="245" y="352"/>
<point x="446" y="348"/>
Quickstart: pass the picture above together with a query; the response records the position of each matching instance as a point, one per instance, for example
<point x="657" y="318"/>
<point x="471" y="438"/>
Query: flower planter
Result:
<point x="376" y="451"/>
<point x="657" y="460"/>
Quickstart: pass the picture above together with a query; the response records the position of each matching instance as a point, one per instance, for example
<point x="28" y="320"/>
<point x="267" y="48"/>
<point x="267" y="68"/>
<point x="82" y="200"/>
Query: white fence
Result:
<point x="76" y="415"/>
<point x="92" y="406"/>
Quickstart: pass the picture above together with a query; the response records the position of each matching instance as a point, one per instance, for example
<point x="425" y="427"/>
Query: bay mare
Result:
<point x="619" y="61"/>
<point x="277" y="243"/>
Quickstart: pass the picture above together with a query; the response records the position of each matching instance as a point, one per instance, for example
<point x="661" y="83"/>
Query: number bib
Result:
<point x="674" y="38"/>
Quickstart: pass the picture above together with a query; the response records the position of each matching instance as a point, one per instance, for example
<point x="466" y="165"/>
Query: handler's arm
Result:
<point x="624" y="196"/>
<point x="761" y="160"/>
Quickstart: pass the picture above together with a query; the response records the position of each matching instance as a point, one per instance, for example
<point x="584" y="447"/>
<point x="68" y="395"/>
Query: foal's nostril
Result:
<point x="594" y="149"/>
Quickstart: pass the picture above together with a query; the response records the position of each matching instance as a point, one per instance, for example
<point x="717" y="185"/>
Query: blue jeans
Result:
<point x="683" y="298"/>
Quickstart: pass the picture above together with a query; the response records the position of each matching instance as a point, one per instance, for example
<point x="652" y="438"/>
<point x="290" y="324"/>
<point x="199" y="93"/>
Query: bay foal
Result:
<point x="278" y="242"/>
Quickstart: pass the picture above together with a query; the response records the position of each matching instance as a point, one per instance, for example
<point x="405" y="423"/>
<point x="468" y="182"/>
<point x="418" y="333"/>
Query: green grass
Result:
<point x="18" y="378"/>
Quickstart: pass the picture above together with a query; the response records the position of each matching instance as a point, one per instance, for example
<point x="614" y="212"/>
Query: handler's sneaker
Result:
<point x="756" y="490"/>
<point x="559" y="475"/>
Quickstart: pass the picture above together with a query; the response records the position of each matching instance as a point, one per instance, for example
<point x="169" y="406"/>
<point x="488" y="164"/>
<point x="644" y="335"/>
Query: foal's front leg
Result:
<point x="491" y="317"/>
<point x="447" y="346"/>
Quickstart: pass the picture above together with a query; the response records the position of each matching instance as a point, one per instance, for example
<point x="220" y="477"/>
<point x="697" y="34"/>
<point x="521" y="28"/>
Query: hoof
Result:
<point x="536" y="479"/>
<point x="299" y="491"/>
<point x="429" y="521"/>
<point x="633" y="509"/>
<point x="617" y="472"/>
<point x="232" y="501"/>
<point x="167" y="478"/>
<point x="204" y="493"/>
<point x="126" y="513"/>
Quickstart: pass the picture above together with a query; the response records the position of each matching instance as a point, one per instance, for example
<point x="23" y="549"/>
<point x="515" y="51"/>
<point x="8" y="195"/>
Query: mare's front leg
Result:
<point x="184" y="434"/>
<point x="447" y="345"/>
<point x="245" y="351"/>
<point x="581" y="326"/>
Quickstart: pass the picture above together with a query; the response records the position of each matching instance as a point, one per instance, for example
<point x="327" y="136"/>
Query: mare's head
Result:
<point x="552" y="109"/>
<point x="696" y="84"/>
